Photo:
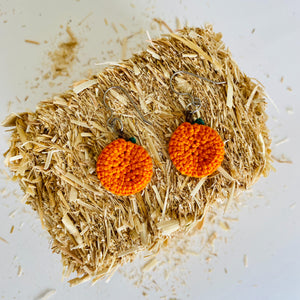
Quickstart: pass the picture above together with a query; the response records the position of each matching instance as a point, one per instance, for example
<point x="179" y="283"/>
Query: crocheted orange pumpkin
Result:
<point x="124" y="168"/>
<point x="196" y="150"/>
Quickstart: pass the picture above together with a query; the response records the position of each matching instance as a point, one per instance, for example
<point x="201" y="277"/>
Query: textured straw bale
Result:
<point x="53" y="152"/>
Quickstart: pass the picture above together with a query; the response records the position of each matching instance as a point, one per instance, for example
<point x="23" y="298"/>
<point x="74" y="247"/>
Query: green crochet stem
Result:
<point x="199" y="121"/>
<point x="132" y="140"/>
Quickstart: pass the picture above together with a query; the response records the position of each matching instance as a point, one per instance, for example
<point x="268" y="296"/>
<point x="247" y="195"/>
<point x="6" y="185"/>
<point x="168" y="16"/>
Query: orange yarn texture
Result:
<point x="124" y="168"/>
<point x="196" y="150"/>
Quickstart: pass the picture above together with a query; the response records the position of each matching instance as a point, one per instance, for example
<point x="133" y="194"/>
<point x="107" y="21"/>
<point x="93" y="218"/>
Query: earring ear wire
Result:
<point x="111" y="121"/>
<point x="123" y="167"/>
<point x="195" y="101"/>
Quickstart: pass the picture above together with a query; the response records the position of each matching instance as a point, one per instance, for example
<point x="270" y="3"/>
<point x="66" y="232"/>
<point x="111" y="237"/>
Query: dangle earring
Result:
<point x="123" y="167"/>
<point x="196" y="150"/>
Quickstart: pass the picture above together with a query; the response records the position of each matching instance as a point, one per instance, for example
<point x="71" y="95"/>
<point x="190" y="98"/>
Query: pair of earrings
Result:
<point x="125" y="168"/>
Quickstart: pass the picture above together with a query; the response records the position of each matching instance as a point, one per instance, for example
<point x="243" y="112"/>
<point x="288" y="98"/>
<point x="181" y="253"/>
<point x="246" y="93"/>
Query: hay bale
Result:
<point x="53" y="152"/>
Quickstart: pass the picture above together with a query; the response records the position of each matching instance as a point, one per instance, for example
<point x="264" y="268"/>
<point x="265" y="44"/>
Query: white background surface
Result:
<point x="268" y="230"/>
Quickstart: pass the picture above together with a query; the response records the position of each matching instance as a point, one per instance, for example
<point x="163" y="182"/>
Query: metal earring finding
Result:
<point x="195" y="101"/>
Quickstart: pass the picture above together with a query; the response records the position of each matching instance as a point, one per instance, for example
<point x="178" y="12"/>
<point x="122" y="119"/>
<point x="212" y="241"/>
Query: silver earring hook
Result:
<point x="112" y="121"/>
<point x="194" y="100"/>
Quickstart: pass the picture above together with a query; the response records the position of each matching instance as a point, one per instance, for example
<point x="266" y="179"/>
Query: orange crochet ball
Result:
<point x="196" y="150"/>
<point x="124" y="168"/>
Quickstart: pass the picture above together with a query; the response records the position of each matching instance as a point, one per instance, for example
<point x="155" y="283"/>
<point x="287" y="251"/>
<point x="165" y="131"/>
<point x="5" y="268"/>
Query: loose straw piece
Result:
<point x="32" y="42"/>
<point x="198" y="187"/>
